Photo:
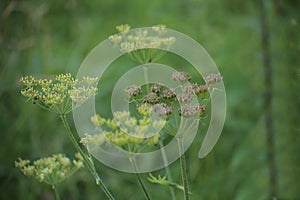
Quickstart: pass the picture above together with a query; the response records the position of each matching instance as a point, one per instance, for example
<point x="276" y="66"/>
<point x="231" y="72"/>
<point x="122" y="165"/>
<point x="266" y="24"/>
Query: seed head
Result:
<point x="133" y="90"/>
<point x="191" y="110"/>
<point x="169" y="94"/>
<point x="156" y="88"/>
<point x="199" y="89"/>
<point x="185" y="97"/>
<point x="151" y="98"/>
<point x="213" y="78"/>
<point x="162" y="109"/>
<point x="181" y="76"/>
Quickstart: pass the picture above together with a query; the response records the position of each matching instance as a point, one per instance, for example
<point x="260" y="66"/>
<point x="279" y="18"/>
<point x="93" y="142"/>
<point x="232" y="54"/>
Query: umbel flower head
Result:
<point x="125" y="131"/>
<point x="146" y="41"/>
<point x="57" y="95"/>
<point x="51" y="170"/>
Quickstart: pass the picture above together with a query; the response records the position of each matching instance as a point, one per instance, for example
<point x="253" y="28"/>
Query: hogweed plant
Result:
<point x="155" y="114"/>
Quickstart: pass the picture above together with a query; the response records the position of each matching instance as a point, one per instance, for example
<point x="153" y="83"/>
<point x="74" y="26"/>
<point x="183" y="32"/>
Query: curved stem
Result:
<point x="88" y="161"/>
<point x="183" y="169"/>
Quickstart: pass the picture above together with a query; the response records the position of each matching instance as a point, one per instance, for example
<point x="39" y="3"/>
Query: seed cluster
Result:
<point x="181" y="76"/>
<point x="133" y="90"/>
<point x="162" y="109"/>
<point x="161" y="98"/>
<point x="191" y="110"/>
<point x="156" y="88"/>
<point x="199" y="89"/>
<point x="51" y="170"/>
<point x="213" y="78"/>
<point x="185" y="97"/>
<point x="151" y="98"/>
<point x="169" y="94"/>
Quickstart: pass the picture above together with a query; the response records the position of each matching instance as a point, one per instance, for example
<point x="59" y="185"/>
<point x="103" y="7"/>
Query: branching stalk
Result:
<point x="88" y="161"/>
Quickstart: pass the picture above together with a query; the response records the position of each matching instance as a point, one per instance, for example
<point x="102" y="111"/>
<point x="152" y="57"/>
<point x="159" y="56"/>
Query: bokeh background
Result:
<point x="48" y="37"/>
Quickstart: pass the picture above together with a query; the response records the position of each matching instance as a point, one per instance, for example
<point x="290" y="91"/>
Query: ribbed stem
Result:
<point x="88" y="161"/>
<point x="183" y="169"/>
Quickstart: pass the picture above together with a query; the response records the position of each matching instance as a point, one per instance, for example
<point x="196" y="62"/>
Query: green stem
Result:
<point x="147" y="195"/>
<point x="144" y="188"/>
<point x="168" y="172"/>
<point x="146" y="78"/>
<point x="183" y="168"/>
<point x="88" y="161"/>
<point x="56" y="193"/>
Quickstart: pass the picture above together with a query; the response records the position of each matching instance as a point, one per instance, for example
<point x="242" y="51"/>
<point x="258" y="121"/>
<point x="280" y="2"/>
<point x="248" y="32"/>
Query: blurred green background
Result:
<point x="50" y="37"/>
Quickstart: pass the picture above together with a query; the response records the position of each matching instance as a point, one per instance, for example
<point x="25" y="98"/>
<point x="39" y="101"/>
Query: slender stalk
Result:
<point x="144" y="188"/>
<point x="268" y="99"/>
<point x="168" y="172"/>
<point x="56" y="193"/>
<point x="147" y="195"/>
<point x="88" y="161"/>
<point x="183" y="169"/>
<point x="146" y="78"/>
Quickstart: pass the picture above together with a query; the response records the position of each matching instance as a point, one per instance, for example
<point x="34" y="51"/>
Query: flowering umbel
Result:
<point x="51" y="170"/>
<point x="57" y="95"/>
<point x="126" y="131"/>
<point x="142" y="44"/>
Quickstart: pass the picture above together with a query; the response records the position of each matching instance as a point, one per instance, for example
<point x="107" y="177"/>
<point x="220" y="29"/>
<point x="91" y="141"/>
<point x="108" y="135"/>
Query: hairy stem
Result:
<point x="88" y="161"/>
<point x="183" y="169"/>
